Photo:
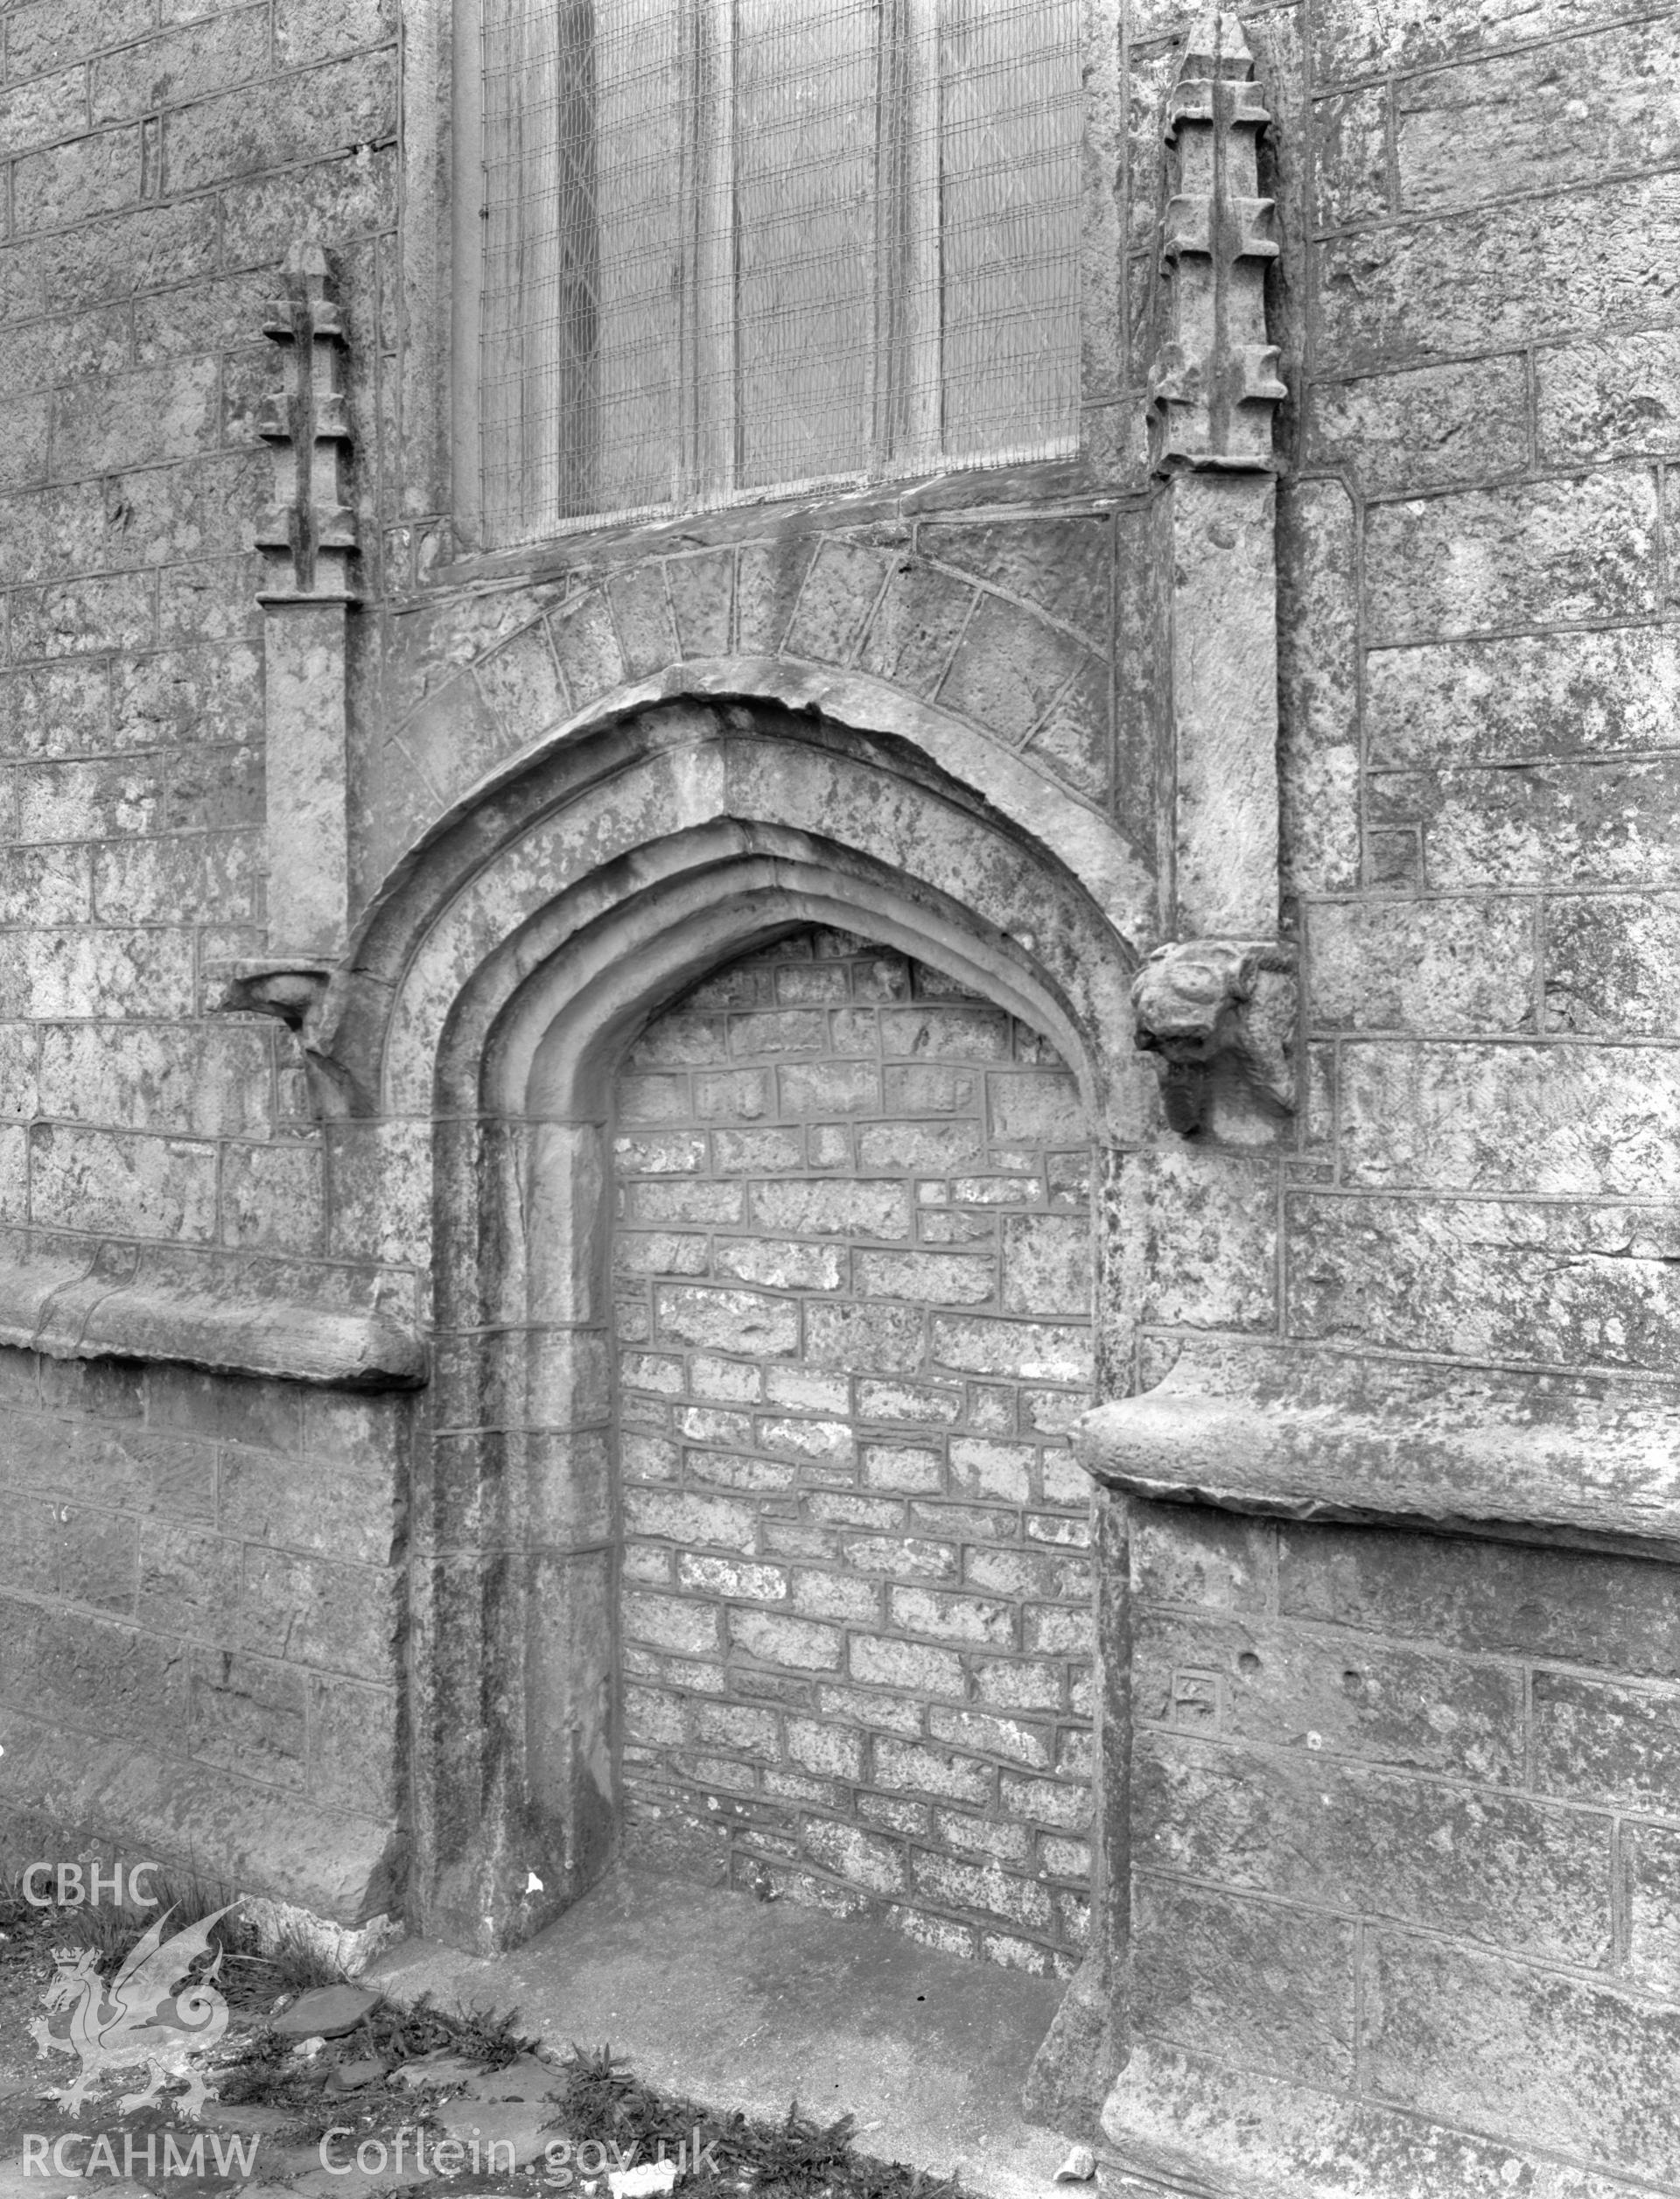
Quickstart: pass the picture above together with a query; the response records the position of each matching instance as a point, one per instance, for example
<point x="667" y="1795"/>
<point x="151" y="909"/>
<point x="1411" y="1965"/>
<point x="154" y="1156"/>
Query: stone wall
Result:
<point x="853" y="1267"/>
<point x="197" y="1569"/>
<point x="161" y="163"/>
<point x="1397" y="1798"/>
<point x="1404" y="1834"/>
<point x="956" y="698"/>
<point x="198" y="1613"/>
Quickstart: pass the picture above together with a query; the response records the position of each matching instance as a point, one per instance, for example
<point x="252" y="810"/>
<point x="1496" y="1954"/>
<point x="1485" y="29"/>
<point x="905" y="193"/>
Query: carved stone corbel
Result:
<point x="269" y="988"/>
<point x="1201" y="1002"/>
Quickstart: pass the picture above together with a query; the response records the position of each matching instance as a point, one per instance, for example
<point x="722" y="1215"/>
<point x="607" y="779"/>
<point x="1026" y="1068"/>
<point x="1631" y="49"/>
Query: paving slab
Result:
<point x="742" y="2003"/>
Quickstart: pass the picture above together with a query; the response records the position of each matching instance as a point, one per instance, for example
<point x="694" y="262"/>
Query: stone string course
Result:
<point x="852" y="1320"/>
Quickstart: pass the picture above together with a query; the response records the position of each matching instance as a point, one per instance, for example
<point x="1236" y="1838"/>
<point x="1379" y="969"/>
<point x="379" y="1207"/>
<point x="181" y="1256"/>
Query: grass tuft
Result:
<point x="795" y="2158"/>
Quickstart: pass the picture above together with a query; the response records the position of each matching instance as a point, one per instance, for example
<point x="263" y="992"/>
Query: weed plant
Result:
<point x="795" y="2158"/>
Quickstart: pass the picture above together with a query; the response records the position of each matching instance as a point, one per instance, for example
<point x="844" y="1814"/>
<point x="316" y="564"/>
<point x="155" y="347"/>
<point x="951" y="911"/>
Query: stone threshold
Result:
<point x="105" y="1304"/>
<point x="1298" y="1432"/>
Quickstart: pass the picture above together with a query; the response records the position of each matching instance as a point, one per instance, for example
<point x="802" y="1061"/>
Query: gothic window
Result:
<point x="732" y="247"/>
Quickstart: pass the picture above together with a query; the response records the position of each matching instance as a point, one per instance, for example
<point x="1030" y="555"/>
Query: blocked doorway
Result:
<point x="852" y="1289"/>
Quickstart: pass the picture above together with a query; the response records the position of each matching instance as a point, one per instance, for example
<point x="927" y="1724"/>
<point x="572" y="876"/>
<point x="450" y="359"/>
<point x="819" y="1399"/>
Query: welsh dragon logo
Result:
<point x="153" y="2014"/>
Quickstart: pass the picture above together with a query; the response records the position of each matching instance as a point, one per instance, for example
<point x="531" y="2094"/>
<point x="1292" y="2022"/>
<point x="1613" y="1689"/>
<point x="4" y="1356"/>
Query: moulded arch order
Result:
<point x="1087" y="845"/>
<point x="501" y="888"/>
<point x="551" y="925"/>
<point x="489" y="726"/>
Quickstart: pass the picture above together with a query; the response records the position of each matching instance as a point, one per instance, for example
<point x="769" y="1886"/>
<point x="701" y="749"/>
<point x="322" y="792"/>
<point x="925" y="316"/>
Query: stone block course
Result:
<point x="44" y="35"/>
<point x="57" y="974"/>
<point x="247" y="1714"/>
<point x="1280" y="1685"/>
<point x="1223" y="1239"/>
<point x="1566" y="1607"/>
<point x="1458" y="966"/>
<point x="67" y="183"/>
<point x="51" y="885"/>
<point x="43" y="353"/>
<point x="1499" y="1888"/>
<point x="1317" y="687"/>
<point x="97" y="1558"/>
<point x="986" y="1889"/>
<point x="115" y="611"/>
<point x="110" y="259"/>
<point x="1253" y="1982"/>
<point x="1424" y="427"/>
<point x="175" y="66"/>
<point x="1613" y="1743"/>
<point x="1563" y="1119"/>
<point x="1351" y="139"/>
<point x="200" y="877"/>
<point x="1564" y="1283"/>
<point x="1610" y="399"/>
<point x="1578" y="548"/>
<point x="1584" y="2084"/>
<point x="1598" y="823"/>
<point x="1606" y="957"/>
<point x="1560" y="264"/>
<point x="1502" y="1871"/>
<point x="43" y="110"/>
<point x="146" y="518"/>
<point x="56" y="1663"/>
<point x="1540" y="118"/>
<point x="1650" y="1854"/>
<point x="1359" y="38"/>
<point x="241" y="1700"/>
<point x="106" y="1180"/>
<point x="352" y="195"/>
<point x="334" y="108"/>
<point x="274" y="1196"/>
<point x="24" y="465"/>
<point x="309" y="31"/>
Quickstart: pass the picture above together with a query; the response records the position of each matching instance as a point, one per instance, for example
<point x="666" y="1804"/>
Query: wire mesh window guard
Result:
<point x="735" y="245"/>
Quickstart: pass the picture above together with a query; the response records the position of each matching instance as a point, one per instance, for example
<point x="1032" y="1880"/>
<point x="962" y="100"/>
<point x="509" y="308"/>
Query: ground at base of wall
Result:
<point x="747" y="2003"/>
<point x="671" y="1978"/>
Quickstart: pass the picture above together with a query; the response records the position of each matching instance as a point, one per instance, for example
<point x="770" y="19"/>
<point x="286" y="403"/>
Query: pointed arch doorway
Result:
<point x="495" y="997"/>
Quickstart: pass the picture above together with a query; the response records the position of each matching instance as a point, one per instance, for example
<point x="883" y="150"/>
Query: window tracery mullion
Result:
<point x="709" y="459"/>
<point x="922" y="273"/>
